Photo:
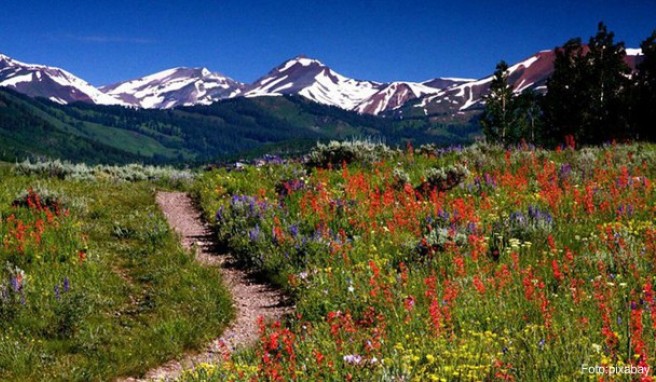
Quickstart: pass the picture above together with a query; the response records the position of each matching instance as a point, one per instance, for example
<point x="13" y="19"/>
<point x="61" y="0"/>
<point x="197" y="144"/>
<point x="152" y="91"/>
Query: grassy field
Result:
<point x="474" y="264"/>
<point x="93" y="284"/>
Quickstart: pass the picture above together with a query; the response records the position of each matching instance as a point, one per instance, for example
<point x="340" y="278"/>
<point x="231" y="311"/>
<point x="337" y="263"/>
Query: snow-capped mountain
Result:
<point x="531" y="73"/>
<point x="315" y="81"/>
<point x="175" y="87"/>
<point x="301" y="75"/>
<point x="53" y="83"/>
<point x="396" y="94"/>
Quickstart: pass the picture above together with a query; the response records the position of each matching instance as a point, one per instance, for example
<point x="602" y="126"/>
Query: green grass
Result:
<point x="136" y="301"/>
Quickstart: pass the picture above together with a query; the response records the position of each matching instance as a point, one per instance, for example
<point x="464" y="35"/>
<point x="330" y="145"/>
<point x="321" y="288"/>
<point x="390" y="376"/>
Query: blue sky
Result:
<point x="109" y="41"/>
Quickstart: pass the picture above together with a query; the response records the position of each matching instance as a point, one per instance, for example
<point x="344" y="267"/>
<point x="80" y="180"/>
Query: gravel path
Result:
<point x="252" y="299"/>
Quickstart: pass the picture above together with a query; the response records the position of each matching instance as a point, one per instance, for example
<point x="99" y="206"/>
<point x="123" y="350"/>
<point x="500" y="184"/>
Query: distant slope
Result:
<point x="26" y="131"/>
<point x="395" y="94"/>
<point x="113" y="134"/>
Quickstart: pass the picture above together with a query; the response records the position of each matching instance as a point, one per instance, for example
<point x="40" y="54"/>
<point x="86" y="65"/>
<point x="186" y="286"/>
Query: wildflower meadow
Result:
<point x="93" y="283"/>
<point x="461" y="264"/>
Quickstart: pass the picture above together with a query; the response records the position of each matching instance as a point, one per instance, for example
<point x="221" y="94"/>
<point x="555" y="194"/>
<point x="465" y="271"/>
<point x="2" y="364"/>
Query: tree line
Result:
<point x="592" y="97"/>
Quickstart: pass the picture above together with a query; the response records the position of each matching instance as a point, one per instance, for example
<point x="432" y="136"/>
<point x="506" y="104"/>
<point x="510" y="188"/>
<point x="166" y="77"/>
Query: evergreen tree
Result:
<point x="586" y="93"/>
<point x="498" y="118"/>
<point x="563" y="102"/>
<point x="645" y="91"/>
<point x="529" y="116"/>
<point x="607" y="76"/>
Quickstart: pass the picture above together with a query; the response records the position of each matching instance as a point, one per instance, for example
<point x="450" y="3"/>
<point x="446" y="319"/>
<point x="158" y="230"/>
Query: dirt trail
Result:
<point x="251" y="298"/>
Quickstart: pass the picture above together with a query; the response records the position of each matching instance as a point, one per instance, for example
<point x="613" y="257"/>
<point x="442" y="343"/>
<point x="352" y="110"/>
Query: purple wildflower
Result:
<point x="565" y="171"/>
<point x="353" y="359"/>
<point x="254" y="234"/>
<point x="293" y="230"/>
<point x="15" y="284"/>
<point x="489" y="180"/>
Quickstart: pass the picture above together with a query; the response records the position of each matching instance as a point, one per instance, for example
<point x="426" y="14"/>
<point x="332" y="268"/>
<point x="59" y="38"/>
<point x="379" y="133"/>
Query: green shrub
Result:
<point x="335" y="153"/>
<point x="443" y="178"/>
<point x="80" y="171"/>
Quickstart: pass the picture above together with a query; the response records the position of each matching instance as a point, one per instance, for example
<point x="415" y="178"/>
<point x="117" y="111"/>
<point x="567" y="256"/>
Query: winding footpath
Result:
<point x="251" y="298"/>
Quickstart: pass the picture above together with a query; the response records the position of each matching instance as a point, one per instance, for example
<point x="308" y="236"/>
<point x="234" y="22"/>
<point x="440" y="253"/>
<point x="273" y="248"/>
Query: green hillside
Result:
<point x="32" y="128"/>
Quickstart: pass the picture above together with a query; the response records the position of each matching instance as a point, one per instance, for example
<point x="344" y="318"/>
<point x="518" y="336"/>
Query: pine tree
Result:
<point x="529" y="116"/>
<point x="563" y="103"/>
<point x="498" y="117"/>
<point x="607" y="76"/>
<point x="645" y="91"/>
<point x="586" y="93"/>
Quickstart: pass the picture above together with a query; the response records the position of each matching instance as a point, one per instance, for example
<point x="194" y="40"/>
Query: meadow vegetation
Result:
<point x="529" y="265"/>
<point x="477" y="263"/>
<point x="93" y="283"/>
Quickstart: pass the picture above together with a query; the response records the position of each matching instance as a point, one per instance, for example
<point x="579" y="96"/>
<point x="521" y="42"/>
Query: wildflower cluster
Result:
<point x="37" y="232"/>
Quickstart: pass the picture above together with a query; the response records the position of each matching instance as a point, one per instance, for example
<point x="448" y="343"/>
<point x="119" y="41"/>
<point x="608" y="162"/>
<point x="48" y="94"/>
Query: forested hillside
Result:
<point x="33" y="128"/>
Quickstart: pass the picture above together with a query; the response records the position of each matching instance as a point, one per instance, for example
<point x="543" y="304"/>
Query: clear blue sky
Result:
<point x="109" y="41"/>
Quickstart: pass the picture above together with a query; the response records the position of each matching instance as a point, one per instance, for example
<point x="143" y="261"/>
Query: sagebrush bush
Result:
<point x="41" y="195"/>
<point x="335" y="153"/>
<point x="80" y="171"/>
<point x="401" y="178"/>
<point x="443" y="178"/>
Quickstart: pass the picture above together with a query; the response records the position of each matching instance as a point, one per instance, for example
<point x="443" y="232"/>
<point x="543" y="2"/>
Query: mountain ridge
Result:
<point x="301" y="75"/>
<point x="463" y="99"/>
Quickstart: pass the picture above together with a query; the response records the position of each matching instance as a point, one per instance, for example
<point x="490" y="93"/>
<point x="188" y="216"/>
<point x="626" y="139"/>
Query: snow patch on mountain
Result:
<point x="50" y="82"/>
<point x="394" y="95"/>
<point x="12" y="81"/>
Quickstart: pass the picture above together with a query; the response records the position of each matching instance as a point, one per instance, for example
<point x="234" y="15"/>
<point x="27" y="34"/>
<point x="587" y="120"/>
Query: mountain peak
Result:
<point x="315" y="81"/>
<point x="301" y="75"/>
<point x="180" y="86"/>
<point x="53" y="83"/>
<point x="300" y="61"/>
